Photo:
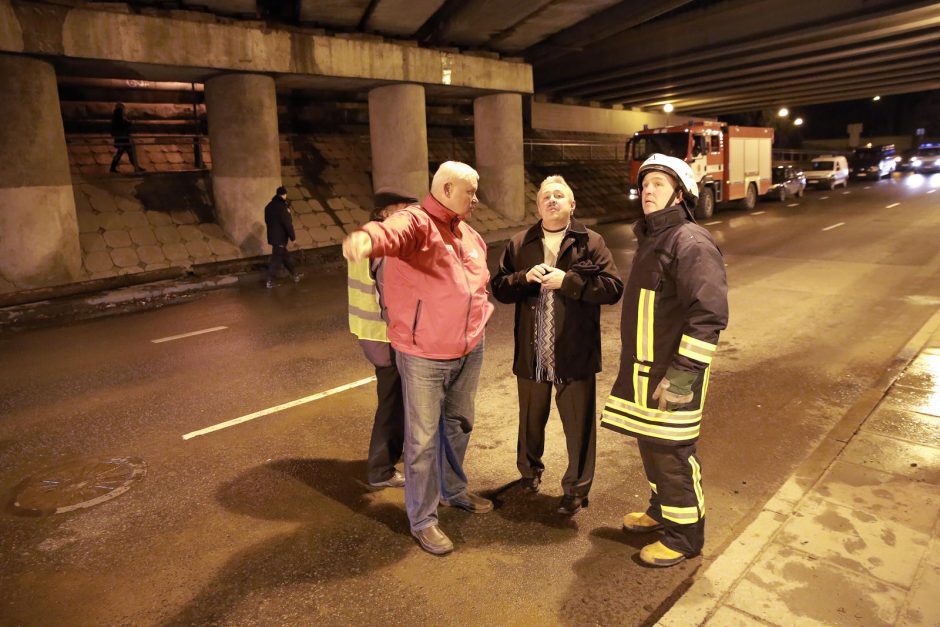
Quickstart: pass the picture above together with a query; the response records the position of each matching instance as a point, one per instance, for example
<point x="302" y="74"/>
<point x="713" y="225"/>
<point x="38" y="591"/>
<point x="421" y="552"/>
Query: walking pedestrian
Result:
<point x="280" y="227"/>
<point x="121" y="132"/>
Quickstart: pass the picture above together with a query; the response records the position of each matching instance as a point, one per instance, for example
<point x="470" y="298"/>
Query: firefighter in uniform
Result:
<point x="674" y="306"/>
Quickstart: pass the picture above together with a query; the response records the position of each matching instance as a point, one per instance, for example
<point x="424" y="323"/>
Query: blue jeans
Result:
<point x="439" y="395"/>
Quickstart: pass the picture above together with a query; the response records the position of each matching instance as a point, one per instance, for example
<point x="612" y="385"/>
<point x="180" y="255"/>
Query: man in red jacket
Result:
<point x="436" y="293"/>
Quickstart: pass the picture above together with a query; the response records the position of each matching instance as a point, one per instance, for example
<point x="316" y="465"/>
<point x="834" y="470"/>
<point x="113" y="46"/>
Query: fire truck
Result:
<point x="729" y="162"/>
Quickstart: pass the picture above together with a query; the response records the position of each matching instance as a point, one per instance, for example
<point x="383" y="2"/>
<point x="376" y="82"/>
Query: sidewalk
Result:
<point x="853" y="537"/>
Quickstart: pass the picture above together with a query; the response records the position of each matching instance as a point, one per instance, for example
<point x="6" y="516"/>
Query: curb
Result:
<point x="709" y="590"/>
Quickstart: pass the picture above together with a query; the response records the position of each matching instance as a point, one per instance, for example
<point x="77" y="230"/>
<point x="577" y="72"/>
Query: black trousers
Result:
<point x="676" y="497"/>
<point x="576" y="405"/>
<point x="388" y="429"/>
<point x="279" y="257"/>
<point x="122" y="148"/>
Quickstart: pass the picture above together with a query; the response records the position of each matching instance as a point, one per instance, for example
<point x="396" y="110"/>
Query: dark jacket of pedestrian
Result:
<point x="278" y="221"/>
<point x="591" y="280"/>
<point x="120" y="127"/>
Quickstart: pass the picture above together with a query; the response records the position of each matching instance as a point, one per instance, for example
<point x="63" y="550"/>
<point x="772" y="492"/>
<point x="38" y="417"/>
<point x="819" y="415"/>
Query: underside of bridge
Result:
<point x="705" y="57"/>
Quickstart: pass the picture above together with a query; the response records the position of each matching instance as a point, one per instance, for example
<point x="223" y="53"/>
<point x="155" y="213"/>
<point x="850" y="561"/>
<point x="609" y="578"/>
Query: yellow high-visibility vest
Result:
<point x="365" y="313"/>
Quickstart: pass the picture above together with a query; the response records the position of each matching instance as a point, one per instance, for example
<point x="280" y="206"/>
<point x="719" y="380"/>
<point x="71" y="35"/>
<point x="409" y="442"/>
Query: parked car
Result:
<point x="828" y="171"/>
<point x="927" y="159"/>
<point x="786" y="180"/>
<point x="873" y="162"/>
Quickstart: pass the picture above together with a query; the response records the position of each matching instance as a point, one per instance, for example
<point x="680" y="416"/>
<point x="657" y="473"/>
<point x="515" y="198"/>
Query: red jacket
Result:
<point x="435" y="280"/>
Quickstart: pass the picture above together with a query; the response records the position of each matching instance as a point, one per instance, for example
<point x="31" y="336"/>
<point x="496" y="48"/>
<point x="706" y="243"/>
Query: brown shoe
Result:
<point x="473" y="503"/>
<point x="433" y="540"/>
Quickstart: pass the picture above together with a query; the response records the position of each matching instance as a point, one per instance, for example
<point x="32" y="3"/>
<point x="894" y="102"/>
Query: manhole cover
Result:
<point x="77" y="484"/>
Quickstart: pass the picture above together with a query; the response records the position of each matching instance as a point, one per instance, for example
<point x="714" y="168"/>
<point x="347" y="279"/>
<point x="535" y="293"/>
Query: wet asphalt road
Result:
<point x="270" y="522"/>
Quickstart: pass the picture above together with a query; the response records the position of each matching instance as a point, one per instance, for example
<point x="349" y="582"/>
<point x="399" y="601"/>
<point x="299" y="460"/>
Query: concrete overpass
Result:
<point x="705" y="57"/>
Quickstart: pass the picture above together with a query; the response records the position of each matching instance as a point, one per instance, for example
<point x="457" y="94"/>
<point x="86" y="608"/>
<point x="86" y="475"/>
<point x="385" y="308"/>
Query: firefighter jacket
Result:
<point x="436" y="280"/>
<point x="591" y="280"/>
<point x="674" y="306"/>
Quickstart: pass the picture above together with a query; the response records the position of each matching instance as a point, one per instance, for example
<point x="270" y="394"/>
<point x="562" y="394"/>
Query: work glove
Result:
<point x="675" y="389"/>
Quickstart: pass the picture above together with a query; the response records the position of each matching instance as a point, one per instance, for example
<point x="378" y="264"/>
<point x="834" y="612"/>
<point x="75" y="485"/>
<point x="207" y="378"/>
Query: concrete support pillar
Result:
<point x="497" y="130"/>
<point x="399" y="134"/>
<point x="246" y="159"/>
<point x="38" y="225"/>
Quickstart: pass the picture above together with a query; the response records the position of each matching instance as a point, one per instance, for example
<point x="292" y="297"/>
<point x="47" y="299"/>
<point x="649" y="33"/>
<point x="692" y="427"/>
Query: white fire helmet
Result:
<point x="678" y="169"/>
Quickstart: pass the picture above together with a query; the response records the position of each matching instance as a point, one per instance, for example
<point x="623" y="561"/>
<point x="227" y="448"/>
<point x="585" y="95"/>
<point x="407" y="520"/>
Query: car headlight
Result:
<point x="915" y="162"/>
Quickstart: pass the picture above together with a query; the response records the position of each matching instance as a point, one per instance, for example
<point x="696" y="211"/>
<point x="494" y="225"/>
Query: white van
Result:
<point x="828" y="171"/>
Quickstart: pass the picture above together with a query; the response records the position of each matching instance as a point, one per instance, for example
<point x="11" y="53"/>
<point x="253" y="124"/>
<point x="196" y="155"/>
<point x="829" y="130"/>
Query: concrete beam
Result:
<point x="202" y="49"/>
<point x="38" y="226"/>
<point x="399" y="138"/>
<point x="246" y="163"/>
<point x="721" y="30"/>
<point x="497" y="130"/>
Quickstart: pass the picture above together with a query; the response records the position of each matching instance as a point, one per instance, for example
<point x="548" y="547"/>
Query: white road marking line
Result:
<point x="930" y="191"/>
<point x="844" y="193"/>
<point x="713" y="222"/>
<point x="824" y="198"/>
<point x="867" y="187"/>
<point x="757" y="213"/>
<point x="834" y="226"/>
<point x="182" y="335"/>
<point x="892" y="205"/>
<point x="277" y="408"/>
<point x="794" y="204"/>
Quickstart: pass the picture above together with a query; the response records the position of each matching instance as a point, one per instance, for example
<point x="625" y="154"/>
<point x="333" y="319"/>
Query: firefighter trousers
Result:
<point x="676" y="498"/>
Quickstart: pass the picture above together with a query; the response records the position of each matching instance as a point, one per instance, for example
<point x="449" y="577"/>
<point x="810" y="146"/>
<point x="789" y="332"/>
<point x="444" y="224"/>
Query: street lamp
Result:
<point x="876" y="98"/>
<point x="668" y="107"/>
<point x="798" y="122"/>
<point x="784" y="112"/>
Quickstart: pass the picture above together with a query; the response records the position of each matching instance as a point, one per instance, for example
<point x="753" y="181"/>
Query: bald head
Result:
<point x="455" y="186"/>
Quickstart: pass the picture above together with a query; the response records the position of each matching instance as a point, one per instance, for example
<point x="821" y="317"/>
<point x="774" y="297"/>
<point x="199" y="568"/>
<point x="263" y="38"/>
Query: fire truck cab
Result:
<point x="729" y="162"/>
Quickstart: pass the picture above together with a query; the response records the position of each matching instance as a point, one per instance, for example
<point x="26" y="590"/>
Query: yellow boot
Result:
<point x="639" y="522"/>
<point x="658" y="554"/>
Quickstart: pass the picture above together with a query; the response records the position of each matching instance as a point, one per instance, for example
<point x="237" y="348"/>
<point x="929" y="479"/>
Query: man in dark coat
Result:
<point x="558" y="273"/>
<point x="121" y="131"/>
<point x="675" y="305"/>
<point x="280" y="225"/>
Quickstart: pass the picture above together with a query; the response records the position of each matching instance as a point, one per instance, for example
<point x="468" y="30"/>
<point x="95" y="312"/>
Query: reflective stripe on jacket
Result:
<point x="674" y="307"/>
<point x="436" y="280"/>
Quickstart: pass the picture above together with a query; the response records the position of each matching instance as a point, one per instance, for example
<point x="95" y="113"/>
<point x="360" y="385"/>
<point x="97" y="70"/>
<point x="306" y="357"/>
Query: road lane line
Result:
<point x="892" y="205"/>
<point x="930" y="191"/>
<point x="844" y="193"/>
<point x="713" y="222"/>
<point x="834" y="226"/>
<point x="867" y="187"/>
<point x="824" y="198"/>
<point x="794" y="204"/>
<point x="757" y="213"/>
<point x="277" y="408"/>
<point x="182" y="335"/>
